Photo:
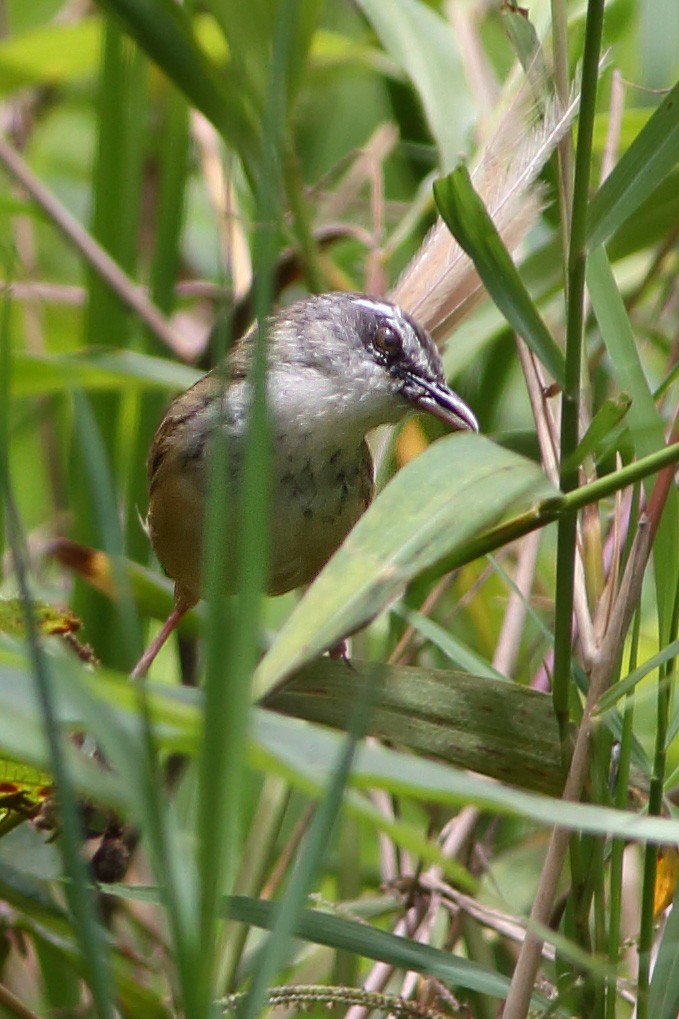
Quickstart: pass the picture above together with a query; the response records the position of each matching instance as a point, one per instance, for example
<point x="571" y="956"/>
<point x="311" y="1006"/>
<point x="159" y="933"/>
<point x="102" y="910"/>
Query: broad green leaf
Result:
<point x="451" y="493"/>
<point x="423" y="43"/>
<point x="40" y="374"/>
<point x="107" y="705"/>
<point x="494" y="727"/>
<point x="22" y="739"/>
<point x="468" y="220"/>
<point x="648" y="160"/>
<point x="175" y="712"/>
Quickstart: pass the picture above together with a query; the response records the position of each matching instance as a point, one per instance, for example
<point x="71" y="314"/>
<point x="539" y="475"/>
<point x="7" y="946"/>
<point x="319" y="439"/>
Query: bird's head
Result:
<point x="372" y="359"/>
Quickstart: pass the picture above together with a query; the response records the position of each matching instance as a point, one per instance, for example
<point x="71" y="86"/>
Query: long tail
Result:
<point x="440" y="285"/>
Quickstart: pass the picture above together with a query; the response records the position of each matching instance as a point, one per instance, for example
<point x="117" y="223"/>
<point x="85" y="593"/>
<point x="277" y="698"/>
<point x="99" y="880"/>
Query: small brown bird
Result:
<point x="339" y="365"/>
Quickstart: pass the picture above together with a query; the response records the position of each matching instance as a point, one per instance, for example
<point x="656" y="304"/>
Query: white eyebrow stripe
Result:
<point x="389" y="310"/>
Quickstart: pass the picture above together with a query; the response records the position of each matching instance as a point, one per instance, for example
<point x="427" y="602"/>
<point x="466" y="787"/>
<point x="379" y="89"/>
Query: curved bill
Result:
<point x="437" y="399"/>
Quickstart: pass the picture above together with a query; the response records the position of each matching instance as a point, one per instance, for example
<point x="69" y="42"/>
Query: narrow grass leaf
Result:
<point x="121" y="143"/>
<point x="339" y="933"/>
<point x="645" y="423"/>
<point x="423" y="43"/>
<point x="604" y="422"/>
<point x="249" y="31"/>
<point x="164" y="30"/>
<point x="645" y="164"/>
<point x="172" y="187"/>
<point x="90" y="934"/>
<point x="663" y="1002"/>
<point x="98" y="370"/>
<point x="349" y="935"/>
<point x="308" y="864"/>
<point x="6" y="379"/>
<point x="233" y="644"/>
<point x="524" y="38"/>
<point x="458" y="652"/>
<point x="470" y="223"/>
<point x="626" y="685"/>
<point x="304" y="750"/>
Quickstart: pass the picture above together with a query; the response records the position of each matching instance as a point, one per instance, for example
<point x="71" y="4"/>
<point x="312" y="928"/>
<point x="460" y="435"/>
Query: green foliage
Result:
<point x="229" y="157"/>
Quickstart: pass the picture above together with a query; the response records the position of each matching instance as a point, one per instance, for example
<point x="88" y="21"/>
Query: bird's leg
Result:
<point x="141" y="668"/>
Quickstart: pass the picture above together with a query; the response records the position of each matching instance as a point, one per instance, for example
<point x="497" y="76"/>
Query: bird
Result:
<point x="339" y="364"/>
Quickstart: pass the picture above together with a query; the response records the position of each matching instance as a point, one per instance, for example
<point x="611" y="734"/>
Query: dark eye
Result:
<point x="388" y="341"/>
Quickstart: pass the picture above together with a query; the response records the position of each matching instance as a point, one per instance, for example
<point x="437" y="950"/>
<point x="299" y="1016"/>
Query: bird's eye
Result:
<point x="387" y="341"/>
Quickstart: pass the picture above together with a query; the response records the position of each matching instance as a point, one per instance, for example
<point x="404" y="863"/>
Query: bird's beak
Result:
<point x="437" y="399"/>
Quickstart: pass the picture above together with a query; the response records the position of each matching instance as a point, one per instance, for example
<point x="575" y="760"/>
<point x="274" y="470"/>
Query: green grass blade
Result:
<point x="646" y="425"/>
<point x="89" y="932"/>
<point x="304" y="751"/>
<point x="233" y="644"/>
<point x="645" y="164"/>
<point x="464" y="657"/>
<point x="6" y="385"/>
<point x="106" y="527"/>
<point x="173" y="160"/>
<point x="339" y="933"/>
<point x="626" y="685"/>
<point x="468" y="220"/>
<point x="98" y="370"/>
<point x="423" y="43"/>
<point x="117" y="181"/>
<point x="663" y="1002"/>
<point x="249" y="31"/>
<point x="308" y="864"/>
<point x="164" y="30"/>
<point x="604" y="422"/>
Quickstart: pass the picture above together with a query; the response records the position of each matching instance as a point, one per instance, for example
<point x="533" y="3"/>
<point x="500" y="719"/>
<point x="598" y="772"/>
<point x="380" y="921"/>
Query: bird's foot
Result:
<point x="340" y="651"/>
